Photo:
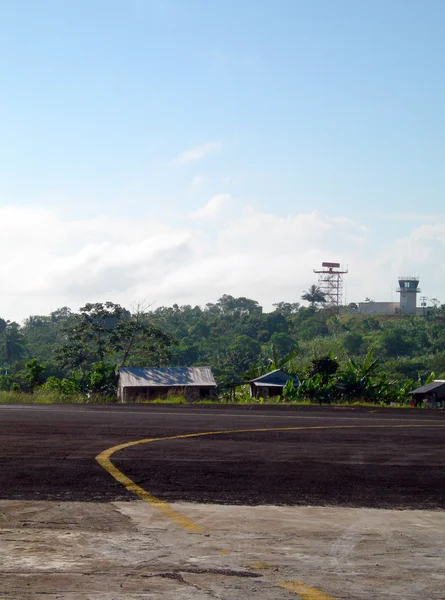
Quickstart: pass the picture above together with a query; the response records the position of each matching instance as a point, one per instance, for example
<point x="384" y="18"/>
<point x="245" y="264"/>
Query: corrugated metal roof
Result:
<point x="268" y="384"/>
<point x="277" y="378"/>
<point x="170" y="377"/>
<point x="430" y="387"/>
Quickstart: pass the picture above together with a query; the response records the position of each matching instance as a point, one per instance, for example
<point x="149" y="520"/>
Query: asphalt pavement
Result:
<point x="317" y="456"/>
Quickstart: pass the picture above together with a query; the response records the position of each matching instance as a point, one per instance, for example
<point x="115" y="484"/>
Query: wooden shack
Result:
<point x="193" y="383"/>
<point x="271" y="384"/>
<point x="432" y="393"/>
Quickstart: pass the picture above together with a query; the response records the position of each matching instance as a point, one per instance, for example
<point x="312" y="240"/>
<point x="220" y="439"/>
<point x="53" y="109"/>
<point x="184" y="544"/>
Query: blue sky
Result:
<point x="199" y="119"/>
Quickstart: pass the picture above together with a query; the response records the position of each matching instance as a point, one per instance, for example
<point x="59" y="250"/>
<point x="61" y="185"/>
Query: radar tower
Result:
<point x="330" y="282"/>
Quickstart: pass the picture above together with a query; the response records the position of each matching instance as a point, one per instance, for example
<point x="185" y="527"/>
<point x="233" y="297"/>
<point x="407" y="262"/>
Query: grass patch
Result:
<point x="53" y="397"/>
<point x="168" y="400"/>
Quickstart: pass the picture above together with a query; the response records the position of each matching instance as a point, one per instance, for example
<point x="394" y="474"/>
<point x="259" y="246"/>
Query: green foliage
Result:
<point x="282" y="347"/>
<point x="171" y="399"/>
<point x="34" y="373"/>
<point x="286" y="309"/>
<point x="317" y="389"/>
<point x="314" y="295"/>
<point x="63" y="386"/>
<point x="431" y="377"/>
<point x="236" y="360"/>
<point x="52" y="397"/>
<point x="6" y="382"/>
<point x="395" y="342"/>
<point x="102" y="379"/>
<point x="12" y="343"/>
<point x="325" y="366"/>
<point x="70" y="353"/>
<point x="353" y="342"/>
<point x="109" y="333"/>
<point x="290" y="392"/>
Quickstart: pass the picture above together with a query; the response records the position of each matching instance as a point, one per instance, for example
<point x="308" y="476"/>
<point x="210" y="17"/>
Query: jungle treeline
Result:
<point x="333" y="355"/>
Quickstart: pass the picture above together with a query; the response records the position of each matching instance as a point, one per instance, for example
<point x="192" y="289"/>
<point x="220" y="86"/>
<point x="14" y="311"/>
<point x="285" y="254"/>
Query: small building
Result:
<point x="432" y="393"/>
<point x="378" y="308"/>
<point x="193" y="383"/>
<point x="408" y="290"/>
<point x="271" y="384"/>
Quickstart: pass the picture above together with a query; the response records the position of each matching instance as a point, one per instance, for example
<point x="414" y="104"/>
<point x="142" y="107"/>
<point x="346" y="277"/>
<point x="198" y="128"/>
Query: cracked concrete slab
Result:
<point x="127" y="550"/>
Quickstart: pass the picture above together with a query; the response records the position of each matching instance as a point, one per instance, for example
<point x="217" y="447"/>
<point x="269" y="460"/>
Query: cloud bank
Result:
<point x="49" y="261"/>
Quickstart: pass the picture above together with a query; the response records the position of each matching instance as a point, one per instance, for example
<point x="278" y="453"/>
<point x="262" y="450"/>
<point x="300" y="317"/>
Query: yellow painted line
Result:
<point x="104" y="460"/>
<point x="304" y="591"/>
<point x="299" y="588"/>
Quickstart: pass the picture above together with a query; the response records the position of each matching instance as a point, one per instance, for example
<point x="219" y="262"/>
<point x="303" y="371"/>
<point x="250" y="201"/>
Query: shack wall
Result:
<point x="190" y="393"/>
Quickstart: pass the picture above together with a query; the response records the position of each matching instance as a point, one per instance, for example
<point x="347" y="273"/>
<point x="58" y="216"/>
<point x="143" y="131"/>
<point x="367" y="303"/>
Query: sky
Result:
<point x="172" y="151"/>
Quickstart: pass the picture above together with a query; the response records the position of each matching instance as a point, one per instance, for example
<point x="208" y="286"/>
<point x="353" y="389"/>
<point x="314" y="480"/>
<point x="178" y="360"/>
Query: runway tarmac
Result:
<point x="133" y="502"/>
<point x="324" y="457"/>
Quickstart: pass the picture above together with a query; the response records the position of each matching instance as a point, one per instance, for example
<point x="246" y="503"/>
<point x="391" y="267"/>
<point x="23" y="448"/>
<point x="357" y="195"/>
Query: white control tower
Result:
<point x="408" y="290"/>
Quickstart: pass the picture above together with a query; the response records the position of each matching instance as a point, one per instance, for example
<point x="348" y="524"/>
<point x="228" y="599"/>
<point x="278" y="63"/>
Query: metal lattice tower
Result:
<point x="330" y="282"/>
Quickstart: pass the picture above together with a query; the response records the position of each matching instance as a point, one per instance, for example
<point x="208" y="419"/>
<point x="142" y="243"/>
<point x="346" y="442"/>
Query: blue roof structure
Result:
<point x="277" y="378"/>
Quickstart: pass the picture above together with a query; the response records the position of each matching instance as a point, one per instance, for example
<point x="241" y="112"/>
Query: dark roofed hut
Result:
<point x="433" y="393"/>
<point x="193" y="383"/>
<point x="271" y="384"/>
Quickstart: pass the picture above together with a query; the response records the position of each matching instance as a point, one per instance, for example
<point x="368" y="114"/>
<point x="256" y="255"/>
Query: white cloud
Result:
<point x="212" y="208"/>
<point x="49" y="261"/>
<point x="197" y="153"/>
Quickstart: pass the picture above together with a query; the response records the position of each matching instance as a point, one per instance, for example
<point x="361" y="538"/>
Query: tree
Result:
<point x="352" y="342"/>
<point x="44" y="333"/>
<point x="137" y="341"/>
<point x="314" y="295"/>
<point x="312" y="324"/>
<point x="286" y="308"/>
<point x="103" y="379"/>
<point x="109" y="333"/>
<point x="12" y="342"/>
<point x="278" y="352"/>
<point x="325" y="366"/>
<point x="394" y="342"/>
<point x="238" y="306"/>
<point x="34" y="373"/>
<point x="356" y="381"/>
<point x="237" y="359"/>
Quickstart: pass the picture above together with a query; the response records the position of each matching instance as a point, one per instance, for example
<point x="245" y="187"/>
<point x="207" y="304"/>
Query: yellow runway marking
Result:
<point x="104" y="460"/>
<point x="299" y="588"/>
<point x="304" y="591"/>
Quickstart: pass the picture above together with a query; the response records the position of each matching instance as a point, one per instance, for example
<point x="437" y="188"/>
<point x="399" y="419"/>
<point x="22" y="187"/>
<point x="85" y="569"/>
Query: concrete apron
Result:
<point x="129" y="550"/>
